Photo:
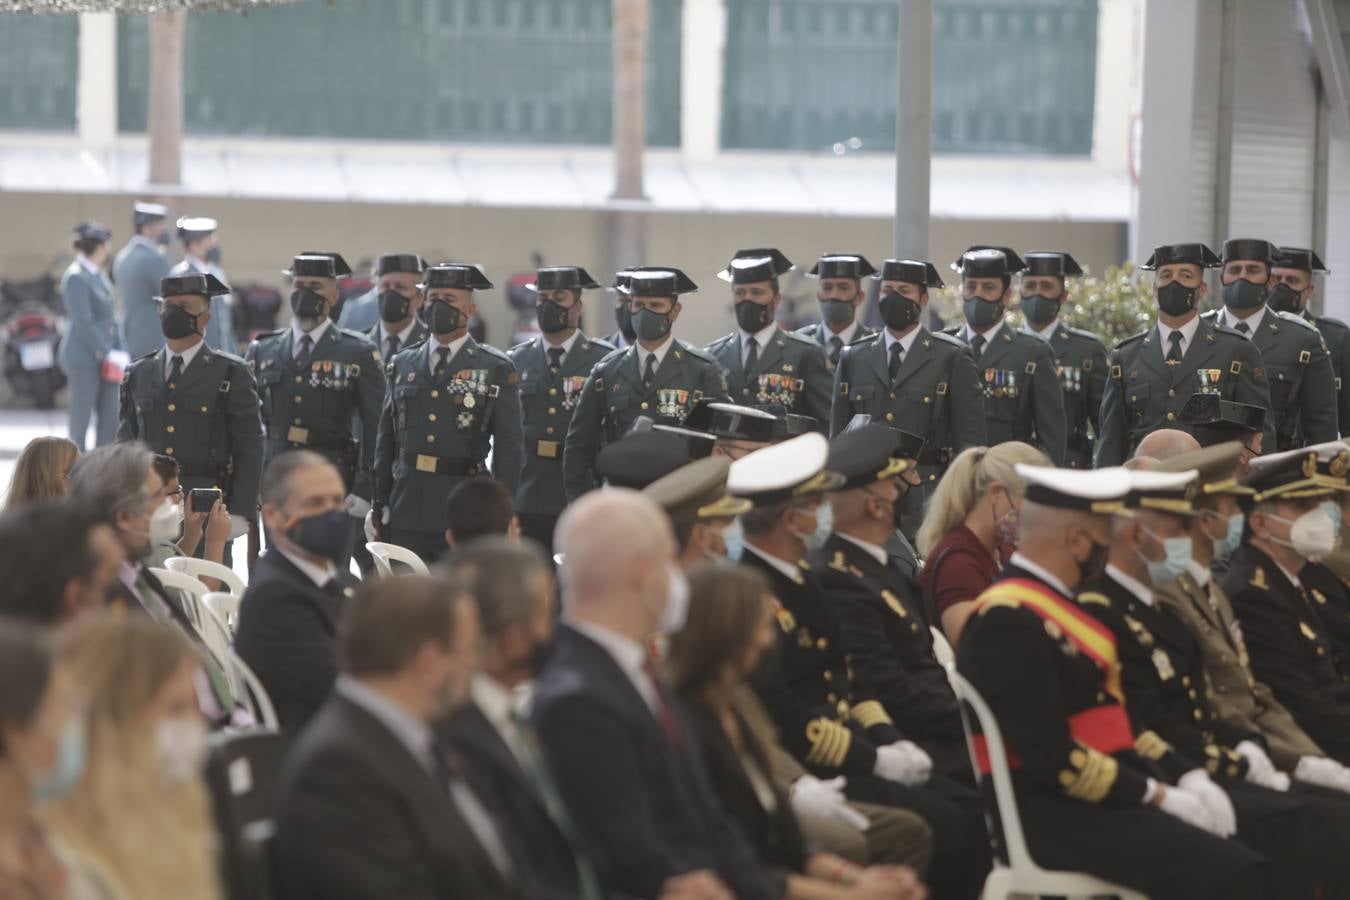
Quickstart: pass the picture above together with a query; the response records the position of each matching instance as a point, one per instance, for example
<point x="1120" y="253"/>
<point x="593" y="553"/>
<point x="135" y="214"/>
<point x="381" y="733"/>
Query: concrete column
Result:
<point x="702" y="54"/>
<point x="913" y="128"/>
<point x="96" y="89"/>
<point x="1119" y="72"/>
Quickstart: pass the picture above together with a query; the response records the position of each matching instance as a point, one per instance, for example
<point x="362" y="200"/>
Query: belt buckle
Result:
<point x="297" y="435"/>
<point x="547" y="449"/>
<point x="426" y="463"/>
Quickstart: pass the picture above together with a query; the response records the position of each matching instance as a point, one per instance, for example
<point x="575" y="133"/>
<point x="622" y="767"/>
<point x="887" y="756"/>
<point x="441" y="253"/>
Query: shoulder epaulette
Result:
<point x="699" y="353"/>
<point x="1094" y="598"/>
<point x="1328" y="322"/>
<point x="359" y="335"/>
<point x="1082" y="333"/>
<point x="837" y="562"/>
<point x="798" y="338"/>
<point x="949" y="336"/>
<point x="724" y="339"/>
<point x="1225" y="330"/>
<point x="521" y="346"/>
<point x="493" y="351"/>
<point x="598" y="343"/>
<point x="864" y="339"/>
<point x="233" y="359"/>
<point x="953" y="330"/>
<point x="270" y="334"/>
<point x="1131" y="339"/>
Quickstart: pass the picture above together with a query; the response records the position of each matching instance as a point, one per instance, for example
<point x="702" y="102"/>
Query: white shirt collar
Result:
<point x="905" y="342"/>
<point x="989" y="334"/>
<point x="788" y="570"/>
<point x="316" y="573"/>
<point x="1200" y="573"/>
<point x="877" y="553"/>
<point x="566" y="345"/>
<point x="630" y="656"/>
<point x="498" y="705"/>
<point x="88" y="264"/>
<point x="188" y="355"/>
<point x="402" y="335"/>
<point x="1044" y="574"/>
<point x="1187" y="333"/>
<point x="1293" y="579"/>
<point x="660" y="353"/>
<point x="1047" y="332"/>
<point x="762" y="337"/>
<point x="847" y="335"/>
<point x="434" y="348"/>
<point x="197" y="265"/>
<point x="315" y="336"/>
<point x="1131" y="584"/>
<point x="412" y="733"/>
<point x="1253" y="322"/>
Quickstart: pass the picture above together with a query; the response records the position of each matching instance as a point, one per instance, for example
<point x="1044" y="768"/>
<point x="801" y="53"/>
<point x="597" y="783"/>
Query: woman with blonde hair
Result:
<point x="42" y="471"/>
<point x="137" y="826"/>
<point x="970" y="529"/>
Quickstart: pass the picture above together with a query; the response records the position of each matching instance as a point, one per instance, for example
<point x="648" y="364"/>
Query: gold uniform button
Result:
<point x="829" y="676"/>
<point x="435" y="393"/>
<point x="549" y="429"/>
<point x="431" y="439"/>
<point x="892" y="395"/>
<point x="890" y="417"/>
<point x="173" y="408"/>
<point x="203" y="409"/>
<point x="431" y="417"/>
<point x="821" y="644"/>
<point x="297" y="421"/>
<point x="1171" y="416"/>
<point x="169" y="451"/>
<point x="553" y="410"/>
<point x="1171" y="392"/>
<point x="299" y="379"/>
<point x="745" y="392"/>
<point x="644" y="404"/>
<point x="169" y="429"/>
<point x="298" y="398"/>
<point x="553" y="392"/>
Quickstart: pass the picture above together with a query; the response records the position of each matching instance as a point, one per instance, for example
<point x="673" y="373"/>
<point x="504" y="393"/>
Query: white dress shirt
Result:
<point x="660" y="354"/>
<point x="566" y="346"/>
<point x="314" y="336"/>
<point x="628" y="654"/>
<point x="434" y="349"/>
<point x="1041" y="572"/>
<point x="188" y="355"/>
<point x="1201" y="574"/>
<point x="905" y="342"/>
<point x="1047" y="332"/>
<point x="762" y="338"/>
<point x="1253" y="322"/>
<point x="1131" y="584"/>
<point x="872" y="550"/>
<point x="1187" y="335"/>
<point x="319" y="574"/>
<point x="402" y="335"/>
<point x="846" y="336"/>
<point x="988" y="335"/>
<point x="497" y="705"/>
<point x="788" y="570"/>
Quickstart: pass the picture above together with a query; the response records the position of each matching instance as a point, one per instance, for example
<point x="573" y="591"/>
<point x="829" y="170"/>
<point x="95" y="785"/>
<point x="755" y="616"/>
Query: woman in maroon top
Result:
<point x="970" y="529"/>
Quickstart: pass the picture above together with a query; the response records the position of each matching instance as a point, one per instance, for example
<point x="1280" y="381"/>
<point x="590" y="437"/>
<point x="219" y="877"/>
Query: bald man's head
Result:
<point x="1166" y="443"/>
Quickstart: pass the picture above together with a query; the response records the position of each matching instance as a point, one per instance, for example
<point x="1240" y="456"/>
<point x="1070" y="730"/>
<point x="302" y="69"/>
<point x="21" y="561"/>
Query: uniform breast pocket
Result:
<point x="404" y="396"/>
<point x="1136" y="403"/>
<point x="267" y="380"/>
<point x="864" y="400"/>
<point x="916" y="411"/>
<point x="147" y="414"/>
<point x="1281" y="382"/>
<point x="617" y="411"/>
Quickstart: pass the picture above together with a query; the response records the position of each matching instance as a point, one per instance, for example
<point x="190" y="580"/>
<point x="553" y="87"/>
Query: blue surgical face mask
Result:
<point x="1228" y="544"/>
<point x="1175" y="562"/>
<point x="824" y="528"/>
<point x="69" y="766"/>
<point x="1334" y="510"/>
<point x="734" y="537"/>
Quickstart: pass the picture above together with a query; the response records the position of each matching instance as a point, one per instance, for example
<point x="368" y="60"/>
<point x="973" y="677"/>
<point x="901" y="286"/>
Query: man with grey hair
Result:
<point x="288" y="616"/>
<point x="612" y="730"/>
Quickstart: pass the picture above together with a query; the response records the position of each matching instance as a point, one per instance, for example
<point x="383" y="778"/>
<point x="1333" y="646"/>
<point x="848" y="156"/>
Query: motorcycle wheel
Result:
<point x="44" y="390"/>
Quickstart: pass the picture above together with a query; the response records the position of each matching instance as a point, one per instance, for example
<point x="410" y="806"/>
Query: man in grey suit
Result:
<point x="88" y="296"/>
<point x="198" y="234"/>
<point x="137" y="271"/>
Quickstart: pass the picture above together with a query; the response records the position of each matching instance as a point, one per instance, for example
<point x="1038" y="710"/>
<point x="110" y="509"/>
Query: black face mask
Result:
<point x="393" y="306"/>
<point x="306" y="304"/>
<point x="442" y="318"/>
<point x="1175" y="299"/>
<point x="837" y="312"/>
<point x="177" y="323"/>
<point x="213" y="255"/>
<point x="323" y="534"/>
<point x="1244" y="294"/>
<point x="898" y="311"/>
<point x="1040" y="310"/>
<point x="534" y="662"/>
<point x="1283" y="298"/>
<point x="753" y="317"/>
<point x="651" y="326"/>
<point x="623" y="317"/>
<point x="164" y="238"/>
<point x="552" y="317"/>
<point x="1092" y="568"/>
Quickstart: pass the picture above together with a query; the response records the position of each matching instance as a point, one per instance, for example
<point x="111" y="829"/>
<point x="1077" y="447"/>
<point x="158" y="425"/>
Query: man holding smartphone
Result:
<point x="197" y="405"/>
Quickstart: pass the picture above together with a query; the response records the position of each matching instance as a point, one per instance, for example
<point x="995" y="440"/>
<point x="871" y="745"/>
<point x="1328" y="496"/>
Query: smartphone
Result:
<point x="202" y="499"/>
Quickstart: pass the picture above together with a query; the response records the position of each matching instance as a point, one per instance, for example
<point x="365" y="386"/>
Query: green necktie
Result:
<point x="156" y="606"/>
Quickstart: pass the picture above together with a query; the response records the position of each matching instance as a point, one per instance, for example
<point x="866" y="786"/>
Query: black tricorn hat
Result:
<point x="318" y="264"/>
<point x="455" y="275"/>
<point x="914" y="271"/>
<point x="1215" y="420"/>
<point x="908" y="445"/>
<point x="622" y="279"/>
<point x="399" y="262"/>
<point x="842" y="265"/>
<point x="659" y="281"/>
<point x="1051" y="262"/>
<point x="698" y="443"/>
<point x="988" y="261"/>
<point x="754" y="265"/>
<point x="1195" y="254"/>
<point x="636" y="460"/>
<point x="733" y="422"/>
<point x="1299" y="258"/>
<point x="562" y="278"/>
<point x="201" y="284"/>
<point x="1249" y="248"/>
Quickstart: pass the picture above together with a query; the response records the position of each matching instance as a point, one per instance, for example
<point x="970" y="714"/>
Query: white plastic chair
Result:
<point x="216" y="636"/>
<point x="1021" y="876"/>
<point x="942" y="648"/>
<point x="226" y="608"/>
<point x="190" y="589"/>
<point x="385" y="553"/>
<point x="204" y="568"/>
<point x="255" y="695"/>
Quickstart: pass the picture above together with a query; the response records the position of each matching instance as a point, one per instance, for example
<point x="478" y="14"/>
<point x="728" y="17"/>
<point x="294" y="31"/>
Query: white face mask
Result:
<point x="676" y="611"/>
<point x="166" y="524"/>
<point x="1312" y="535"/>
<point x="180" y="746"/>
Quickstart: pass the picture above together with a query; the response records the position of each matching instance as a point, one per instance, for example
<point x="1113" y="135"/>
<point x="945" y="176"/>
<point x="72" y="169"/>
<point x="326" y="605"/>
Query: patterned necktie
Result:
<point x="303" y="356"/>
<point x="1174" y="354"/>
<point x="650" y="372"/>
<point x="442" y="361"/>
<point x="751" y="355"/>
<point x="977" y="345"/>
<point x="555" y="355"/>
<point x="175" y="369"/>
<point x="897" y="352"/>
<point x="393" y="343"/>
<point x="836" y="347"/>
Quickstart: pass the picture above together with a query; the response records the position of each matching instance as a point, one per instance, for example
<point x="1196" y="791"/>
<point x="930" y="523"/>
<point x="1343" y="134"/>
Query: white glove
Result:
<point x="824" y="799"/>
<point x="1260" y="770"/>
<point x="357" y="507"/>
<point x="238" y="527"/>
<point x="1323" y="772"/>
<point x="1184" y="806"/>
<point x="1196" y="782"/>
<point x="898" y="762"/>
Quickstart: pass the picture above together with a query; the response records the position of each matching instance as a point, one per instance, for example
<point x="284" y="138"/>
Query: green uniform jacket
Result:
<point x="435" y="431"/>
<point x="1299" y="377"/>
<point x="1235" y="695"/>
<point x="208" y="421"/>
<point x="546" y="406"/>
<point x="418" y="334"/>
<point x="316" y="407"/>
<point x="613" y="398"/>
<point x="1080" y="362"/>
<point x="792" y="372"/>
<point x="822" y="334"/>
<point x="1336" y="335"/>
<point x="1144" y="393"/>
<point x="1022" y="397"/>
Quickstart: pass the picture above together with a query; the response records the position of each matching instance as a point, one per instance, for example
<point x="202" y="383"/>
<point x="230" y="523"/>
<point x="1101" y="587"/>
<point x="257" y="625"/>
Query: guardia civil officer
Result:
<point x="197" y="404"/>
<point x="1153" y="373"/>
<point x="1291" y="287"/>
<point x="1022" y="398"/>
<point x="320" y="384"/>
<point x="623" y="335"/>
<point x="1080" y="356"/>
<point x="398" y="298"/>
<point x="659" y="377"/>
<point x="1298" y="369"/>
<point x="841" y="296"/>
<point x="201" y="255"/>
<point x="137" y="271"/>
<point x="93" y="334"/>
<point x="766" y="365"/>
<point x="911" y="379"/>
<point x="552" y="367"/>
<point x="450" y="399"/>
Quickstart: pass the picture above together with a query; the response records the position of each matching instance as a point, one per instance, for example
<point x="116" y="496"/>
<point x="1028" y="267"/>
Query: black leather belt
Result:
<point x="442" y="465"/>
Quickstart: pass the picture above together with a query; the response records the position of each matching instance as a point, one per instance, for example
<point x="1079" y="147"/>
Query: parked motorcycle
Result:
<point x="31" y="333"/>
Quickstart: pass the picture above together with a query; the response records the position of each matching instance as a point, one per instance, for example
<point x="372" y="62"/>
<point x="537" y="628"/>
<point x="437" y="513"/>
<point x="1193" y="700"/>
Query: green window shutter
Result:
<point x="39" y="67"/>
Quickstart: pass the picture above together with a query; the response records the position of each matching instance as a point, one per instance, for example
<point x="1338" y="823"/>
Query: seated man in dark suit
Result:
<point x="289" y="615"/>
<point x="512" y="587"/>
<point x="58" y="563"/>
<point x="368" y="806"/>
<point x="612" y="731"/>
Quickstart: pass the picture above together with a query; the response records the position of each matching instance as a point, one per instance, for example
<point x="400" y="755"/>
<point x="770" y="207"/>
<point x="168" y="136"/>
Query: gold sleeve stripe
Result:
<point x="829" y="742"/>
<point x="1089" y="776"/>
<point x="1151" y="746"/>
<point x="869" y="713"/>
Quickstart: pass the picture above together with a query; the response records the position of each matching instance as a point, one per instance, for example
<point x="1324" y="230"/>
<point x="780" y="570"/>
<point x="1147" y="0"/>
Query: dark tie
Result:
<point x="897" y="352"/>
<point x="1174" y="354"/>
<point x="443" y="360"/>
<point x="1241" y="328"/>
<point x="977" y="345"/>
<point x="175" y="369"/>
<point x="650" y="372"/>
<point x="836" y="347"/>
<point x="393" y="344"/>
<point x="662" y="711"/>
<point x="751" y="355"/>
<point x="555" y="355"/>
<point x="303" y="356"/>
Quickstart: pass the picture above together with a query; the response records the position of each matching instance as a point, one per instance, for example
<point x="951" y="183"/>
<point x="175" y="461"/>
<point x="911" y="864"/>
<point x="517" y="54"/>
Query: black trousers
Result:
<point x="538" y="527"/>
<point x="429" y="545"/>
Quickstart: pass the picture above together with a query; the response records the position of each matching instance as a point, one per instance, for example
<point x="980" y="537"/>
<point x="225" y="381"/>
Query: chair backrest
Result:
<point x="204" y="568"/>
<point x="225" y="606"/>
<point x="1013" y="839"/>
<point x="386" y="553"/>
<point x="190" y="589"/>
<point x="942" y="648"/>
<point x="241" y="774"/>
<point x="216" y="635"/>
<point x="263" y="712"/>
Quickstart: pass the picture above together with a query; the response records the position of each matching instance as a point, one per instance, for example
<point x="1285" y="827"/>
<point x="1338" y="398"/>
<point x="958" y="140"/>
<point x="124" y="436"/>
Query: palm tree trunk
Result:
<point x="165" y="120"/>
